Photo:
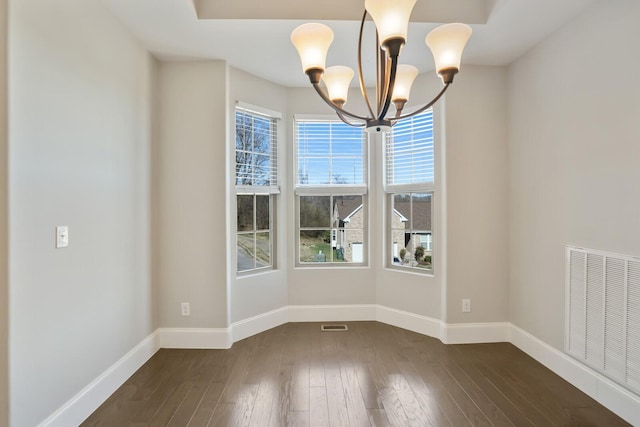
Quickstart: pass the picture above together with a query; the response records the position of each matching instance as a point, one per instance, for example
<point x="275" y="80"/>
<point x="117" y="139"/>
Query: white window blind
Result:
<point x="409" y="151"/>
<point x="256" y="151"/>
<point x="330" y="153"/>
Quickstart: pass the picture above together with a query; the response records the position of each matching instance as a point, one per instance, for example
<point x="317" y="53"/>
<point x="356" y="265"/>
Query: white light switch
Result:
<point x="185" y="309"/>
<point x="62" y="236"/>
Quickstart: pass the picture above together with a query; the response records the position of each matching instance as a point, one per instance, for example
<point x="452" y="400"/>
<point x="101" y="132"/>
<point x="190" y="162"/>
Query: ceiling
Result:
<point x="253" y="35"/>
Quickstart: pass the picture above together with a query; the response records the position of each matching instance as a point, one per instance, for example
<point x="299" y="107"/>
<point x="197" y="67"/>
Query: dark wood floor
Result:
<point x="372" y="374"/>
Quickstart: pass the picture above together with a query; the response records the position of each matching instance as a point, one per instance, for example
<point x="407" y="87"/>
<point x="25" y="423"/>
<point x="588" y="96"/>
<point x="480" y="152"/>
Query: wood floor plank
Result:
<point x="244" y="405"/>
<point x="356" y="409"/>
<point x="222" y="415"/>
<point x="281" y="405"/>
<point x="367" y="386"/>
<point x="207" y="405"/>
<point x="336" y="401"/>
<point x="301" y="378"/>
<point x="318" y="407"/>
<point x="458" y="394"/>
<point x="163" y="391"/>
<point x="372" y="374"/>
<point x="486" y="367"/>
<point x="191" y="401"/>
<point x="316" y="363"/>
<point x="506" y="411"/>
<point x="298" y="419"/>
<point x="452" y="411"/>
<point x="378" y="418"/>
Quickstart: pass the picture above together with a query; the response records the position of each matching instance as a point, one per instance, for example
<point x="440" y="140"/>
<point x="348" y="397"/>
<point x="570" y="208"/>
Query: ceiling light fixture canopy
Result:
<point x="393" y="80"/>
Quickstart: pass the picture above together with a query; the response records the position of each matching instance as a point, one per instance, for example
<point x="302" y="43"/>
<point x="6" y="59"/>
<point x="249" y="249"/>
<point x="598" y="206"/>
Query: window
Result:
<point x="410" y="188"/>
<point x="256" y="187"/>
<point x="331" y="188"/>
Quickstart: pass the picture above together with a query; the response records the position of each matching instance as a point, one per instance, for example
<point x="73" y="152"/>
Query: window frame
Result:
<point x="411" y="188"/>
<point x="272" y="190"/>
<point x="332" y="191"/>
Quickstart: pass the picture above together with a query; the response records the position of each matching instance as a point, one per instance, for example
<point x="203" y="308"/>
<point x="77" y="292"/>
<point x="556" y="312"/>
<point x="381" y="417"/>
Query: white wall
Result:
<point x="79" y="121"/>
<point x="255" y="294"/>
<point x="477" y="189"/>
<point x="4" y="306"/>
<point x="191" y="194"/>
<point x="573" y="153"/>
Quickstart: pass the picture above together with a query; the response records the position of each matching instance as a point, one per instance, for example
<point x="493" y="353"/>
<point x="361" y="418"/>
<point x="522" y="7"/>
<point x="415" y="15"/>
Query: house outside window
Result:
<point x="256" y="137"/>
<point x="331" y="164"/>
<point x="410" y="188"/>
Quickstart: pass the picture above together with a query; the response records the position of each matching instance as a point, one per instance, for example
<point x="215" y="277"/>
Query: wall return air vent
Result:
<point x="602" y="328"/>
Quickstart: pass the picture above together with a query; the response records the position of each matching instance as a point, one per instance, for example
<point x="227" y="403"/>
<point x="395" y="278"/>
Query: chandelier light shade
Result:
<point x="447" y="43"/>
<point x="393" y="81"/>
<point x="405" y="75"/>
<point x="312" y="42"/>
<point x="391" y="18"/>
<point x="338" y="80"/>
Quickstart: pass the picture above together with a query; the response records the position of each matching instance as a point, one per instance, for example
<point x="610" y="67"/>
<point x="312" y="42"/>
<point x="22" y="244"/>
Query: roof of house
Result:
<point x="421" y="212"/>
<point x="347" y="206"/>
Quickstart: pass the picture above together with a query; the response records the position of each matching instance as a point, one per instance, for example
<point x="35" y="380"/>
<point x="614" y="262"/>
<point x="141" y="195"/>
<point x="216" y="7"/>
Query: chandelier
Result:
<point x="393" y="80"/>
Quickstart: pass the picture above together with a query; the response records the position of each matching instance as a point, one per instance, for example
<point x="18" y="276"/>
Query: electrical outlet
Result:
<point x="62" y="236"/>
<point x="466" y="306"/>
<point x="186" y="309"/>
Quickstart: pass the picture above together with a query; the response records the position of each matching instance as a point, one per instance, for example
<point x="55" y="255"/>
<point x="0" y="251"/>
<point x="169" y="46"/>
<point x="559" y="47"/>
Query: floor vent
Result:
<point x="333" y="328"/>
<point x="603" y="313"/>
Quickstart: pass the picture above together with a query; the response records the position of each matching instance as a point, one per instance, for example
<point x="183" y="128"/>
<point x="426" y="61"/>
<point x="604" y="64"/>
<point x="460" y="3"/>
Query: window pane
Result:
<point x="354" y="250"/>
<point x="421" y="212"/>
<point x="329" y="153"/>
<point x="255" y="149"/>
<point x="245" y="212"/>
<point x="263" y="212"/>
<point x="346" y="171"/>
<point x="243" y="167"/>
<point x="315" y="246"/>
<point x="246" y="245"/>
<point x="263" y="249"/>
<point x="409" y="157"/>
<point x="345" y="208"/>
<point x="244" y="132"/>
<point x="314" y="171"/>
<point x="261" y="169"/>
<point x="314" y="211"/>
<point x="402" y="205"/>
<point x="411" y="235"/>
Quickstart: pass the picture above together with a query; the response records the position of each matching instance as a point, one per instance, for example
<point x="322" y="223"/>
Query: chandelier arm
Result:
<point x="430" y="104"/>
<point x="382" y="65"/>
<point x="345" y="121"/>
<point x="360" y="75"/>
<point x="389" y="87"/>
<point x="337" y="109"/>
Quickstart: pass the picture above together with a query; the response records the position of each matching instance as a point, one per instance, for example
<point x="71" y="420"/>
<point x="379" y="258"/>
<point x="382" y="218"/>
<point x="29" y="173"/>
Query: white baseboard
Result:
<point x="331" y="313"/>
<point x="260" y="323"/>
<point x="473" y="333"/>
<point x="208" y="338"/>
<point x="78" y="408"/>
<point x="611" y="395"/>
<point x="410" y="321"/>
